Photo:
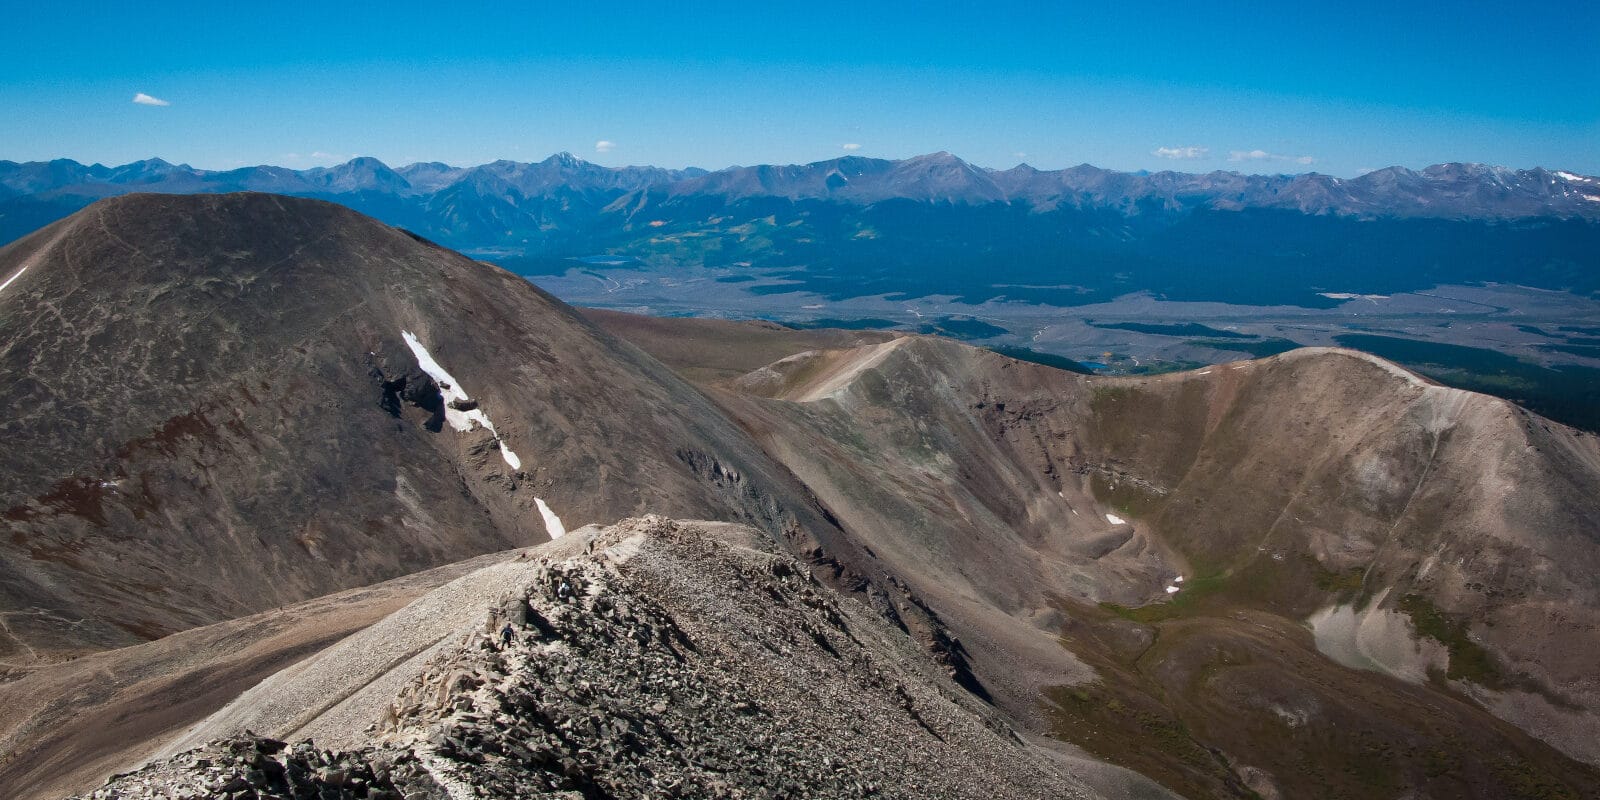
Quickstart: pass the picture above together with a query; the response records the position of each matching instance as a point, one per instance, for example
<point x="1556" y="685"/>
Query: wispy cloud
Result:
<point x="314" y="158"/>
<point x="604" y="146"/>
<point x="146" y="100"/>
<point x="852" y="146"/>
<point x="1262" y="155"/>
<point x="1181" y="152"/>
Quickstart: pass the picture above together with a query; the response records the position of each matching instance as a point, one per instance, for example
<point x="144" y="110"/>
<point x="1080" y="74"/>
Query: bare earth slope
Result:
<point x="221" y="404"/>
<point x="66" y="727"/>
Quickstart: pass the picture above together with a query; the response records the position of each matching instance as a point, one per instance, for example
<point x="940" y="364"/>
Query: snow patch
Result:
<point x="1590" y="197"/>
<point x="14" y="277"/>
<point x="1178" y="579"/>
<point x="1172" y="590"/>
<point x="1115" y="520"/>
<point x="1575" y="178"/>
<point x="450" y="388"/>
<point x="552" y="523"/>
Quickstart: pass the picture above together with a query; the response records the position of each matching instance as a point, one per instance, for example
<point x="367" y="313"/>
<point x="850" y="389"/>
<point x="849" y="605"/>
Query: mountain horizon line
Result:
<point x="567" y="157"/>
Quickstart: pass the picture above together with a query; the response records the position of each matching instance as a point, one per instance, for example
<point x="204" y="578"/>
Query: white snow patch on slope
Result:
<point x="1592" y="198"/>
<point x="1578" y="178"/>
<point x="1115" y="520"/>
<point x="461" y="421"/>
<point x="552" y="523"/>
<point x="14" y="277"/>
<point x="1172" y="590"/>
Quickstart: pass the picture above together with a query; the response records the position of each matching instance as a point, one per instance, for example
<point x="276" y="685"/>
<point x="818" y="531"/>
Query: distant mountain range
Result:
<point x="937" y="224"/>
<point x="1442" y="191"/>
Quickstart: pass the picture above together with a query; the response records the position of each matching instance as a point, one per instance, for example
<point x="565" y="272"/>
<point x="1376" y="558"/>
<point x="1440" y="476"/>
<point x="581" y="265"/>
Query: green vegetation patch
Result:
<point x="1191" y="599"/>
<point x="1343" y="583"/>
<point x="862" y="324"/>
<point x="1127" y="497"/>
<point x="1261" y="349"/>
<point x="1566" y="394"/>
<point x="1178" y="329"/>
<point x="962" y="328"/>
<point x="1527" y="782"/>
<point x="1047" y="359"/>
<point x="1134" y="732"/>
<point x="1585" y="350"/>
<point x="1468" y="660"/>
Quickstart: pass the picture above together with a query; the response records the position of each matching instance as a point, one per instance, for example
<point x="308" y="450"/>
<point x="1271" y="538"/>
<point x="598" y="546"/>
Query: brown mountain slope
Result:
<point x="213" y="408"/>
<point x="709" y="350"/>
<point x="1320" y="505"/>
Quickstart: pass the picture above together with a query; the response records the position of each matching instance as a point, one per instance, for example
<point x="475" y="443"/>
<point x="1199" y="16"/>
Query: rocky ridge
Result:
<point x="650" y="659"/>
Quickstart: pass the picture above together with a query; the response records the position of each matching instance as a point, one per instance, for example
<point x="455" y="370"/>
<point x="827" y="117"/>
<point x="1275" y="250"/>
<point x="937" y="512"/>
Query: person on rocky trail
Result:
<point x="505" y="635"/>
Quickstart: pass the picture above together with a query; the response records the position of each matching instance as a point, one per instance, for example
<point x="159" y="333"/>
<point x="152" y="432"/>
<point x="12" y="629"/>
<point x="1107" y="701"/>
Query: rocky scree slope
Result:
<point x="650" y="659"/>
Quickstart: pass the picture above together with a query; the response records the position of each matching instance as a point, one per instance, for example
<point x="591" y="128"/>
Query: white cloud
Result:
<point x="146" y="100"/>
<point x="1262" y="155"/>
<point x="852" y="146"/>
<point x="316" y="158"/>
<point x="1181" y="152"/>
<point x="604" y="146"/>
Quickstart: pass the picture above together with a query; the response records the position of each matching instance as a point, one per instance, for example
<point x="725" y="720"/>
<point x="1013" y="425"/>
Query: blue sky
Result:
<point x="1258" y="87"/>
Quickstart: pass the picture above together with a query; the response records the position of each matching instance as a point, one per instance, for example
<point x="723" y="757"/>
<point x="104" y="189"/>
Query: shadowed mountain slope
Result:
<point x="220" y="404"/>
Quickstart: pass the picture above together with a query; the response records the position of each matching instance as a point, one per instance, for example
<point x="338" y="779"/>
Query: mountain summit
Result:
<point x="225" y="403"/>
